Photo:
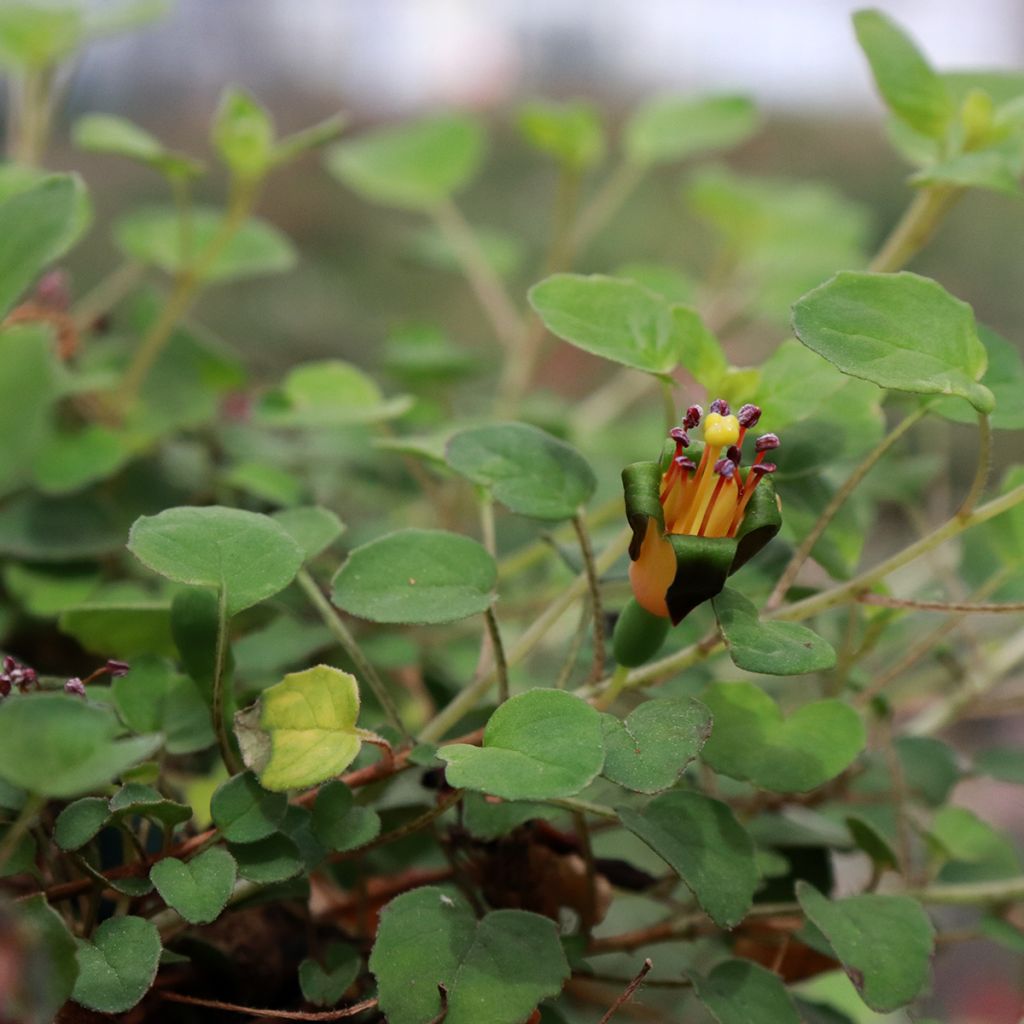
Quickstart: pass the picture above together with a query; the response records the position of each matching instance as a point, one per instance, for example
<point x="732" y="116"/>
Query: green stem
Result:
<point x="668" y="402"/>
<point x="467" y="699"/>
<point x="915" y="228"/>
<point x="984" y="467"/>
<point x="803" y="552"/>
<point x="612" y="194"/>
<point x="584" y="807"/>
<point x="224" y="744"/>
<point x="19" y="827"/>
<point x="594" y="583"/>
<point x="485" y="282"/>
<point x="613" y="688"/>
<point x="106" y="294"/>
<point x="500" y="664"/>
<point x="332" y="620"/>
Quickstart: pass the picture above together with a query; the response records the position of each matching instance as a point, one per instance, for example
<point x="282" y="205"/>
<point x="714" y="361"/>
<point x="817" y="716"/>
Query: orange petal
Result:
<point x="653" y="572"/>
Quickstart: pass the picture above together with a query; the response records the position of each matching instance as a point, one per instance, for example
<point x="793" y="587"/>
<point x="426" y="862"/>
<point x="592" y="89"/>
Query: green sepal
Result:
<point x="703" y="564"/>
<point x="638" y="635"/>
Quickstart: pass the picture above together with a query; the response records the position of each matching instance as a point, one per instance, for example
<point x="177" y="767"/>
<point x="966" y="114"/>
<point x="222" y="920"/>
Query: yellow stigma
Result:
<point x="721" y="431"/>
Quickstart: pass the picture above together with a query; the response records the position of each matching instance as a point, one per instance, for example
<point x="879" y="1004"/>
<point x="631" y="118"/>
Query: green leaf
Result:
<point x="264" y="656"/>
<point x="899" y="331"/>
<point x="537" y="746"/>
<point x="33" y="36"/>
<point x="496" y="970"/>
<point x="197" y="889"/>
<point x="268" y="861"/>
<point x="615" y="319"/>
<point x="266" y="482"/>
<point x="872" y="840"/>
<point x="1004" y="378"/>
<point x="80" y="821"/>
<point x="136" y="798"/>
<point x="649" y="750"/>
<point x="71" y="460"/>
<point x="742" y="992"/>
<point x="60" y="746"/>
<point x="341" y="824"/>
<point x="329" y="393"/>
<point x="774" y="648"/>
<point x="705" y="845"/>
<point x="28" y="388"/>
<point x="908" y="84"/>
<point x="751" y="740"/>
<point x="1003" y="763"/>
<point x="996" y="168"/>
<point x="416" y="576"/>
<point x="974" y="851"/>
<point x="247" y="555"/>
<point x="42" y="529"/>
<point x="50" y="947"/>
<point x="677" y="127"/>
<point x="325" y="984"/>
<point x="313" y="528"/>
<point x="36" y="227"/>
<point x="128" y="628"/>
<point x="293" y="146"/>
<point x="117" y="967"/>
<point x="195" y="626"/>
<point x="417" y="165"/>
<point x="306" y="729"/>
<point x="570" y="132"/>
<point x="1003" y="933"/>
<point x="106" y="133"/>
<point x="152" y="235"/>
<point x="243" y="135"/>
<point x="530" y="472"/>
<point x="488" y="819"/>
<point x="883" y="942"/>
<point x="244" y="811"/>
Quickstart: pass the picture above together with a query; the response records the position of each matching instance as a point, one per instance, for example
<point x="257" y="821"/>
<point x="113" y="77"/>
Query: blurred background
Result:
<point x="365" y="270"/>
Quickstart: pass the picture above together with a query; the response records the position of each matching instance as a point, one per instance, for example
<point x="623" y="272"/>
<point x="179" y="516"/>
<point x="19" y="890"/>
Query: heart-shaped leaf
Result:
<point x="538" y="745"/>
<point x="274" y="859"/>
<point x="742" y="992"/>
<point x="247" y="555"/>
<point x="136" y="798"/>
<point x="705" y="845"/>
<point x="80" y="821"/>
<point x="615" y="319"/>
<point x="773" y="648"/>
<point x="197" y="889"/>
<point x="649" y="750"/>
<point x="416" y="576"/>
<point x="751" y="740"/>
<point x="496" y="970"/>
<point x="899" y="331"/>
<point x="526" y="469"/>
<point x="117" y="967"/>
<point x="324" y="984"/>
<point x="39" y="996"/>
<point x="59" y="746"/>
<point x="339" y="823"/>
<point x="415" y="165"/>
<point x="246" y="812"/>
<point x="302" y="730"/>
<point x="883" y="942"/>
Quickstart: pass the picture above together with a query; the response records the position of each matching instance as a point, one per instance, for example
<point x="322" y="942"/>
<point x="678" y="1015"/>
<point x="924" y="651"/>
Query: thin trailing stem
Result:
<point x="613" y="193"/>
<point x="966" y="607"/>
<point x="984" y="467"/>
<point x="254" y="1011"/>
<point x="628" y="992"/>
<point x="915" y="228"/>
<point x="486" y="284"/>
<point x="19" y="827"/>
<point x="806" y="546"/>
<point x="589" y="919"/>
<point x="594" y="583"/>
<point x="224" y="744"/>
<point x="332" y="620"/>
<point x="578" y="806"/>
<point x="106" y="294"/>
<point x="446" y="802"/>
<point x="574" y="648"/>
<point x="500" y="662"/>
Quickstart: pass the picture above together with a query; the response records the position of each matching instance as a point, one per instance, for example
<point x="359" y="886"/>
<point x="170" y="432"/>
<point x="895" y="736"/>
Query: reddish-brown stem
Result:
<point x="254" y="1011"/>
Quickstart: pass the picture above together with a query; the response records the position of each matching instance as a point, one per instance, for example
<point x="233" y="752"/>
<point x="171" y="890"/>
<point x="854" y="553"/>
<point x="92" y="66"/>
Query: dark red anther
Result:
<point x="748" y="416"/>
<point x="721" y="406"/>
<point x="692" y="417"/>
<point x="680" y="436"/>
<point x="733" y="452"/>
<point x="725" y="468"/>
<point x="687" y="465"/>
<point x="75" y="686"/>
<point x="116" y="669"/>
<point x="766" y="442"/>
<point x="763" y="468"/>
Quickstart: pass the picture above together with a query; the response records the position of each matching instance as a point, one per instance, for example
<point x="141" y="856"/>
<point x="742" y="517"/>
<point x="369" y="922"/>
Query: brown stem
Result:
<point x="594" y="583"/>
<point x="628" y="992"/>
<point x="253" y="1011"/>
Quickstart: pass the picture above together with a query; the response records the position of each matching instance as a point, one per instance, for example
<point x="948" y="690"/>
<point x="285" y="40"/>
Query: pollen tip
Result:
<point x="693" y="417"/>
<point x="733" y="452"/>
<point x="767" y="442"/>
<point x="748" y="415"/>
<point x="685" y="463"/>
<point x="725" y="468"/>
<point x="721" y="406"/>
<point x="680" y="436"/>
<point x="763" y="467"/>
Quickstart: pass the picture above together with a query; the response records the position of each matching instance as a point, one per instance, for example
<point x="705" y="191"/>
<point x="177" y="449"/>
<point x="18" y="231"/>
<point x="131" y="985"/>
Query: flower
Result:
<point x="696" y="515"/>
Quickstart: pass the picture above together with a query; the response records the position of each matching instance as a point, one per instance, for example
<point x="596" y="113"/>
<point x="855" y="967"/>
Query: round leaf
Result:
<point x="420" y="576"/>
<point x="116" y="969"/>
<point x="899" y="331"/>
<point x="197" y="889"/>
<point x="676" y="127"/>
<point x="537" y="746"/>
<point x="80" y="821"/>
<point x="413" y="165"/>
<point x="706" y="846"/>
<point x="244" y="811"/>
<point x="527" y="470"/>
<point x="751" y="740"/>
<point x="313" y="528"/>
<point x="41" y="994"/>
<point x="247" y="555"/>
<point x="649" y="750"/>
<point x="325" y="984"/>
<point x="884" y="943"/>
<point x="274" y="859"/>
<point x="60" y="746"/>
<point x="742" y="992"/>
<point x="339" y="823"/>
<point x="495" y="970"/>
